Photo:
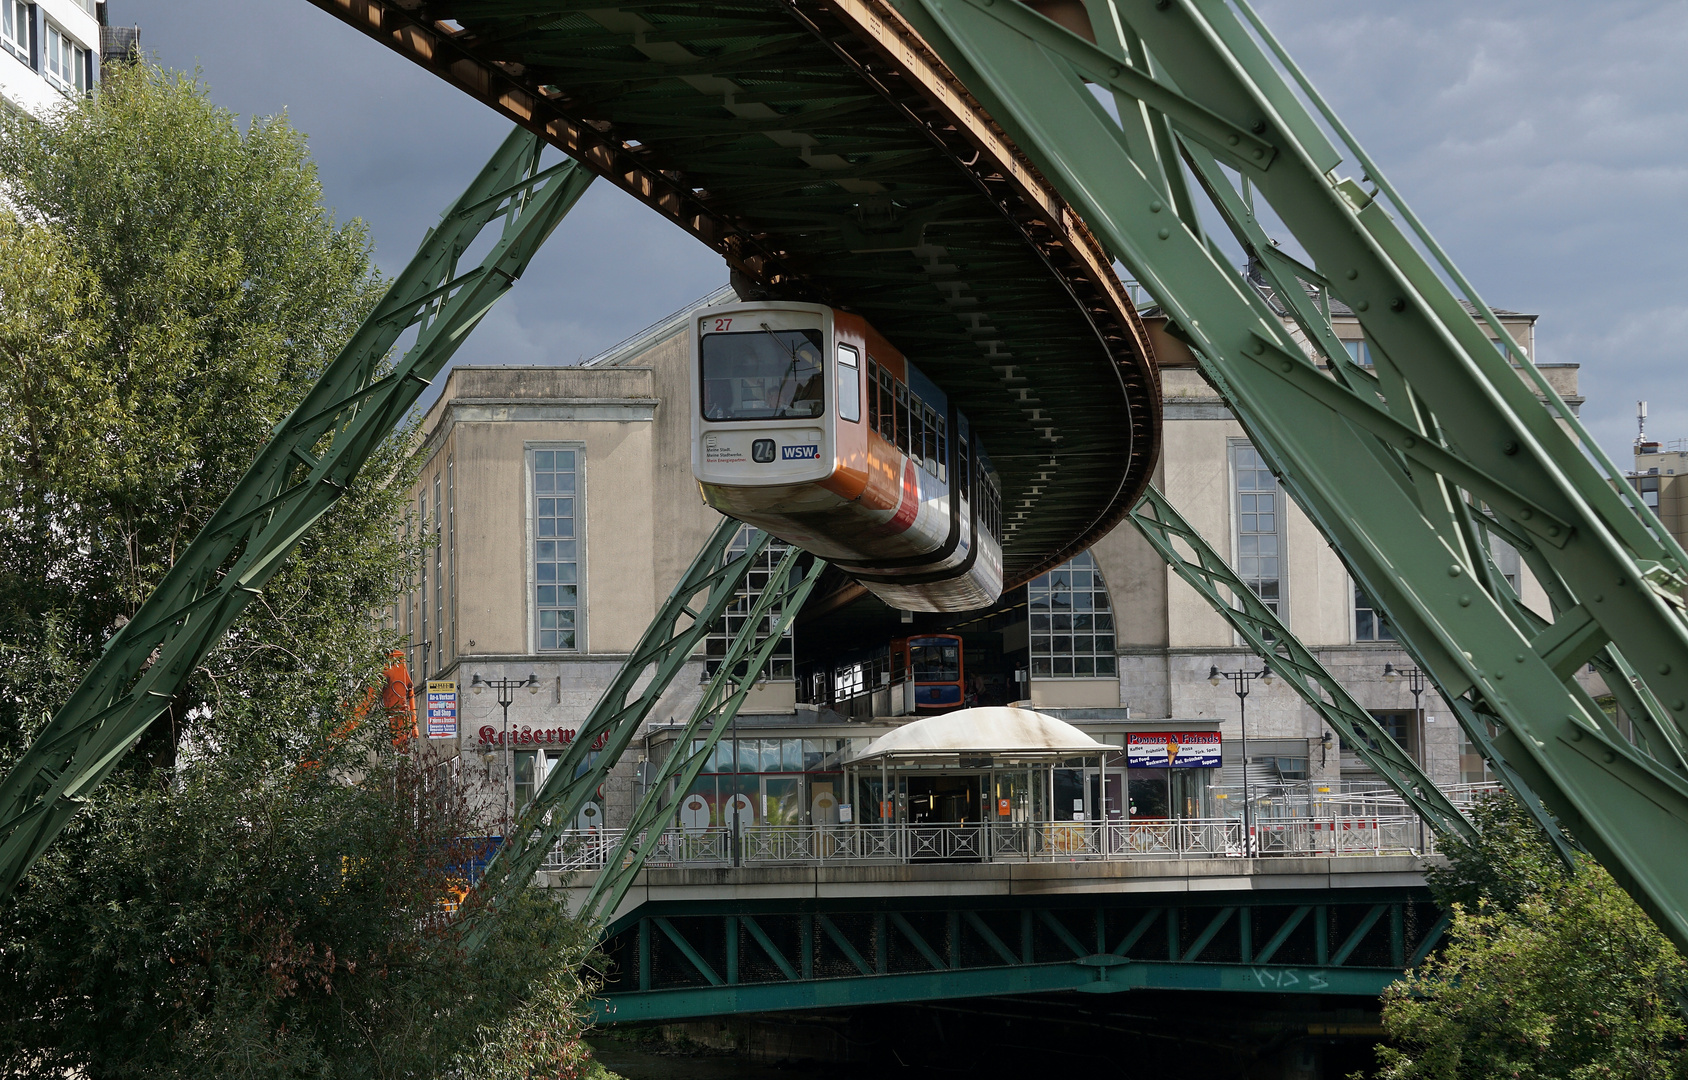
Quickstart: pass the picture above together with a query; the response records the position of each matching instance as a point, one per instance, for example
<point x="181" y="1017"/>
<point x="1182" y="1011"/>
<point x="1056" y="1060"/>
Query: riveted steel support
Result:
<point x="1194" y="560"/>
<point x="298" y="476"/>
<point x="697" y="602"/>
<point x="746" y="658"/>
<point x="1386" y="468"/>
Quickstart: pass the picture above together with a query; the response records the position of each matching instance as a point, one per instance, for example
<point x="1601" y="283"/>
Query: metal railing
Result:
<point x="1046" y="841"/>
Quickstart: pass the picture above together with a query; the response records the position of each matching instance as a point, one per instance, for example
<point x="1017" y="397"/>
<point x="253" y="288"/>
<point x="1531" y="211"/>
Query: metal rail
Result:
<point x="1391" y="465"/>
<point x="297" y="477"/>
<point x="698" y="959"/>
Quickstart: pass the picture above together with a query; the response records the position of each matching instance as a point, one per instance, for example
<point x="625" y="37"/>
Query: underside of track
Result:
<point x="843" y="163"/>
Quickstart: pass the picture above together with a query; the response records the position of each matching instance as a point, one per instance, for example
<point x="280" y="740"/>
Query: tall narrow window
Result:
<point x="1260" y="525"/>
<point x="439" y="577"/>
<point x="423" y="640"/>
<point x="1359" y="351"/>
<point x="849" y="385"/>
<point x="872" y="394"/>
<point x="407" y="586"/>
<point x="14" y="28"/>
<point x="1072" y="622"/>
<point x="556" y="553"/>
<point x="780" y="662"/>
<point x="1368" y="620"/>
<point x="451" y="553"/>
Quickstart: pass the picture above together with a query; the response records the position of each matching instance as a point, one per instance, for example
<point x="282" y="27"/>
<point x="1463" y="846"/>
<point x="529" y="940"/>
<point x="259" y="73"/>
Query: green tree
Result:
<point x="264" y="889"/>
<point x="1547" y="973"/>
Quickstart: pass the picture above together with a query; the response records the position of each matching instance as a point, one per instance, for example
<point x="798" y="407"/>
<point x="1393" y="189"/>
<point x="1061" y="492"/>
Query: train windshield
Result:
<point x="935" y="660"/>
<point x="762" y="375"/>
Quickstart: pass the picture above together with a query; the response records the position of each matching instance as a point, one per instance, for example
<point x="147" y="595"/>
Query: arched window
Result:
<point x="1072" y="622"/>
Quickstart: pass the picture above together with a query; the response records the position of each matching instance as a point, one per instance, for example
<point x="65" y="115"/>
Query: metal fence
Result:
<point x="1048" y="841"/>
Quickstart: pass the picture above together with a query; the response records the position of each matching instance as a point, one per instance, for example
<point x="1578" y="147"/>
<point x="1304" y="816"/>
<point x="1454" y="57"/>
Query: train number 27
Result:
<point x="723" y="324"/>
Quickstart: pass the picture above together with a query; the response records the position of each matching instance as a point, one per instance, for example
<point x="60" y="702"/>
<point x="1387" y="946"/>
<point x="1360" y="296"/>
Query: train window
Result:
<point x="849" y="385"/>
<point x="943" y="450"/>
<point x="929" y="440"/>
<point x="872" y="394"/>
<point x="961" y="464"/>
<point x="762" y="375"/>
<point x="887" y="410"/>
<point x="904" y="429"/>
<point x="935" y="659"/>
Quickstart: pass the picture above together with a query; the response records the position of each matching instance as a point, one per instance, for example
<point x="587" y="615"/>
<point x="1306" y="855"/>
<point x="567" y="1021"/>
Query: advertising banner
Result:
<point x="1172" y="749"/>
<point x="442" y="710"/>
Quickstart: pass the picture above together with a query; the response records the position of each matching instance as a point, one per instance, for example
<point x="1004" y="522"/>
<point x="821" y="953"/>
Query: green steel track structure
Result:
<point x="945" y="168"/>
<point x="673" y="961"/>
<point x="1406" y="468"/>
<point x="1192" y="558"/>
<point x="305" y="468"/>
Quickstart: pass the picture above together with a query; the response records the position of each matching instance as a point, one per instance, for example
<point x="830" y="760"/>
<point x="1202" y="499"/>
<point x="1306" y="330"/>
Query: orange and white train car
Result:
<point x="808" y="424"/>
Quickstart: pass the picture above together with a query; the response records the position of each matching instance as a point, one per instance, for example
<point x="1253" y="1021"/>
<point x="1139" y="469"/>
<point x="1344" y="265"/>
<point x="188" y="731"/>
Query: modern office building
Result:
<point x="560" y="508"/>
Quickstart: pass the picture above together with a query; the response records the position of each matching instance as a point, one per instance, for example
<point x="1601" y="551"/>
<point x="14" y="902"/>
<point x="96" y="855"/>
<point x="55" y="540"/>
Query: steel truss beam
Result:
<point x="703" y="594"/>
<point x="780" y="600"/>
<point x="298" y="476"/>
<point x="1392" y="471"/>
<point x="1202" y="568"/>
<point x="675" y="961"/>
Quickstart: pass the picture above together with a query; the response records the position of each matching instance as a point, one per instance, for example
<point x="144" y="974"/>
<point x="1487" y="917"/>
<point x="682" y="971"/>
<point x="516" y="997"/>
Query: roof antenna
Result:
<point x="1640" y="424"/>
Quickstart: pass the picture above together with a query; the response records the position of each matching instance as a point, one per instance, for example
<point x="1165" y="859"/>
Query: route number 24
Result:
<point x="723" y="324"/>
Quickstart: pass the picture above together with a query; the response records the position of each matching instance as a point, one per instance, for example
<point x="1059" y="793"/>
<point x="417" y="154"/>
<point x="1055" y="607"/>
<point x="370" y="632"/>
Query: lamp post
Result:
<point x="1239" y="684"/>
<point x="506" y="690"/>
<point x="1415" y="683"/>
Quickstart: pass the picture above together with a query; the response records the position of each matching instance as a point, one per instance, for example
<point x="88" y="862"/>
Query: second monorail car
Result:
<point x="810" y="425"/>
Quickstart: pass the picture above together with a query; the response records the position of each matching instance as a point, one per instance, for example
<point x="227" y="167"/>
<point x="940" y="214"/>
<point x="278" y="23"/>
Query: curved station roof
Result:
<point x="829" y="155"/>
<point x="1017" y="734"/>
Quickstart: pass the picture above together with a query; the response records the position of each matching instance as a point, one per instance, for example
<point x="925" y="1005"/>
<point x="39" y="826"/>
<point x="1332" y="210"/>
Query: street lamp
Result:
<point x="1239" y="683"/>
<point x="506" y="690"/>
<point x="1415" y="683"/>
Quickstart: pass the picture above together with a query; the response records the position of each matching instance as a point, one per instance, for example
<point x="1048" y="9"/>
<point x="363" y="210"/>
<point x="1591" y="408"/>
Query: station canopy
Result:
<point x="993" y="731"/>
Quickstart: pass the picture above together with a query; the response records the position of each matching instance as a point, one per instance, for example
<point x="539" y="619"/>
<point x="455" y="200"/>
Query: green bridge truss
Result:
<point x="1407" y="467"/>
<point x="671" y="961"/>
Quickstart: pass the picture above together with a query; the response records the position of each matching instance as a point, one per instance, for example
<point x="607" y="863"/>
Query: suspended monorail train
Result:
<point x="808" y="424"/>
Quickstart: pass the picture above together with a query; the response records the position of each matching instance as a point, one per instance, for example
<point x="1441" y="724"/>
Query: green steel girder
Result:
<point x="674" y="960"/>
<point x="298" y="476"/>
<point x="677" y="631"/>
<point x="1203" y="569"/>
<point x="780" y="599"/>
<point x="1383" y="470"/>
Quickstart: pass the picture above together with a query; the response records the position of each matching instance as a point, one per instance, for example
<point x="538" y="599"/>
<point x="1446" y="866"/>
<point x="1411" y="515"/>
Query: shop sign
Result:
<point x="442" y="710"/>
<point x="1172" y="749"/>
<point x="530" y="736"/>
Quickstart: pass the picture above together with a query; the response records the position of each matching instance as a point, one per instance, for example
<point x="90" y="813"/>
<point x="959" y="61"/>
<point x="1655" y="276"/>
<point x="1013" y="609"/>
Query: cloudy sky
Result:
<point x="1544" y="143"/>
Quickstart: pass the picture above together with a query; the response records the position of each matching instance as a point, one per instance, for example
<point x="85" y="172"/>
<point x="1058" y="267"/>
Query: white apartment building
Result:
<point x="49" y="52"/>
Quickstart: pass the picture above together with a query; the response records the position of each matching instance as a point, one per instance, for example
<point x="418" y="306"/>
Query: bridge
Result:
<point x="947" y="167"/>
<point x="696" y="940"/>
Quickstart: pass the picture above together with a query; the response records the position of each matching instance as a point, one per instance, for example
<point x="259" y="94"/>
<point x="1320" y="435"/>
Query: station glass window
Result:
<point x="14" y="28"/>
<point x="1072" y="622"/>
<point x="1258" y="505"/>
<point x="1368" y="620"/>
<point x="556" y="547"/>
<point x="720" y="639"/>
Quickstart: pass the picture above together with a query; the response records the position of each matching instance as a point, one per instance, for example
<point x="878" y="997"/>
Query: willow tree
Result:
<point x="262" y="890"/>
